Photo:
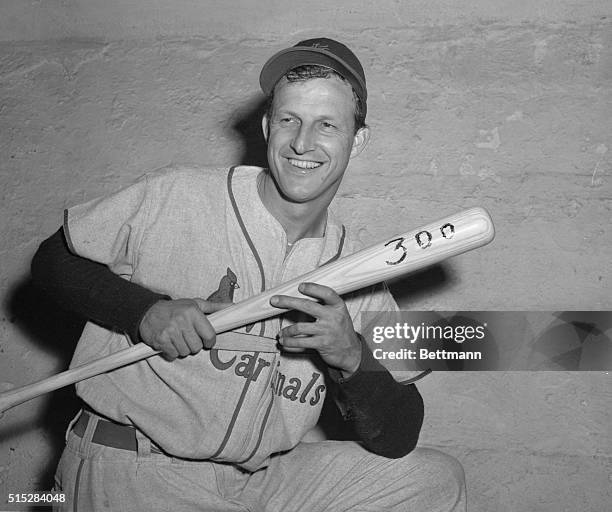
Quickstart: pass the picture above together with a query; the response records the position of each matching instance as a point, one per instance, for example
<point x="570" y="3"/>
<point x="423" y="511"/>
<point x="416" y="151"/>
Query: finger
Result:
<point x="180" y="344"/>
<point x="307" y="306"/>
<point x="167" y="348"/>
<point x="207" y="306"/>
<point x="300" y="342"/>
<point x="318" y="291"/>
<point x="194" y="342"/>
<point x="300" y="329"/>
<point x="205" y="331"/>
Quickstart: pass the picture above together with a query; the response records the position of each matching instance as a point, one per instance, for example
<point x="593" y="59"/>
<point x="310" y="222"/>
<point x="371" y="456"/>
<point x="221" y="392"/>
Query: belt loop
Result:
<point x="144" y="445"/>
<point x="72" y="424"/>
<point x="92" y="423"/>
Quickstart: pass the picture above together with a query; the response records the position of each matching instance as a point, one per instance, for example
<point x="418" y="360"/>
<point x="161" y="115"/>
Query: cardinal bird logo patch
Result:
<point x="225" y="291"/>
<point x="227" y="285"/>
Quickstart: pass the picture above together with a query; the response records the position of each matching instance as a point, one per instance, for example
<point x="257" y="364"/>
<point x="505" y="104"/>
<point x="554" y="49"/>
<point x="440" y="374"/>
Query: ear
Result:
<point x="360" y="141"/>
<point x="265" y="126"/>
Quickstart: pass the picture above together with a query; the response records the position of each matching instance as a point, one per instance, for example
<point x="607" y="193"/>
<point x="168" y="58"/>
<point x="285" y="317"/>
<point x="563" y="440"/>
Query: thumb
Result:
<point x="207" y="306"/>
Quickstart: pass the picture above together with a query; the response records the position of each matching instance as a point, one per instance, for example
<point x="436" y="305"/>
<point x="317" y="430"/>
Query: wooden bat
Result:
<point x="390" y="258"/>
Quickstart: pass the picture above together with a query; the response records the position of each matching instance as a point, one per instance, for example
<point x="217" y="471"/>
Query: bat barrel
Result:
<point x="416" y="249"/>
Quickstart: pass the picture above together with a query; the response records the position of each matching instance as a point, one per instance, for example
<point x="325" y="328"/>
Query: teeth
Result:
<point x="304" y="164"/>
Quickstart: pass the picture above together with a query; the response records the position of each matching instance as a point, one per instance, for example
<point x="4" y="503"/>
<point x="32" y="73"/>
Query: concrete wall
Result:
<point x="494" y="103"/>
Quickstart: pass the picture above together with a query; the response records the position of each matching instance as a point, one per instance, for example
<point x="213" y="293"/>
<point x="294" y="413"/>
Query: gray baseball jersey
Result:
<point x="200" y="232"/>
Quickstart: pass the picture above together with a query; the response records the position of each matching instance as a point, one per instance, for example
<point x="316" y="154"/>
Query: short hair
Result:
<point x="311" y="71"/>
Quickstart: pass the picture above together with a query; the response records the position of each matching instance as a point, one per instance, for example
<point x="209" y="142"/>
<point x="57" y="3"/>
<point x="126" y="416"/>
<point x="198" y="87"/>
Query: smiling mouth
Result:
<point x="304" y="164"/>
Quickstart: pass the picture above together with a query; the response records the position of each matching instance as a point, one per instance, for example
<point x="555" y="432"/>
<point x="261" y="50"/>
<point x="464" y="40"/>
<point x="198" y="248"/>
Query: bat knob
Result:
<point x="5" y="386"/>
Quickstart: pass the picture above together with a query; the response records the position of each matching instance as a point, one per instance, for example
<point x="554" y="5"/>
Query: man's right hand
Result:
<point x="178" y="328"/>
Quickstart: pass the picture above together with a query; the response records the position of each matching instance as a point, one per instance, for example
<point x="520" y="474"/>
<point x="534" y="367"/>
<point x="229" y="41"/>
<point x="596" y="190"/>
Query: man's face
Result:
<point x="311" y="137"/>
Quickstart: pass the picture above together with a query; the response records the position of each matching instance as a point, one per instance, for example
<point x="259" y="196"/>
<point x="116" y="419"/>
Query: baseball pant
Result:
<point x="322" y="476"/>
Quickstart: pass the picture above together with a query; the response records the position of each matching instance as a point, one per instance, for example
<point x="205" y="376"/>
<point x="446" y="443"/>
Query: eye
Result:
<point x="326" y="125"/>
<point x="287" y="120"/>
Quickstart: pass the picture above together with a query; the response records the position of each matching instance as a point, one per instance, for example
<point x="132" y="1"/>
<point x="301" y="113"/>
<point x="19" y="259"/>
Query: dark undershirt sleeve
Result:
<point x="90" y="289"/>
<point x="386" y="416"/>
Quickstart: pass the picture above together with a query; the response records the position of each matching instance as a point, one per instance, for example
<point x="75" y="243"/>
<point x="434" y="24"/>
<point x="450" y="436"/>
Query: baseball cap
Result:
<point x="319" y="51"/>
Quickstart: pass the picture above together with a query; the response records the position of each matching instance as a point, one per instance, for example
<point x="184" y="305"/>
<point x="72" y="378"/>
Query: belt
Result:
<point x="109" y="433"/>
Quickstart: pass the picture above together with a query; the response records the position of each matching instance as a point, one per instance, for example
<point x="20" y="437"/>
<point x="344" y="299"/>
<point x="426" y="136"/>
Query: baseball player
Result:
<point x="211" y="429"/>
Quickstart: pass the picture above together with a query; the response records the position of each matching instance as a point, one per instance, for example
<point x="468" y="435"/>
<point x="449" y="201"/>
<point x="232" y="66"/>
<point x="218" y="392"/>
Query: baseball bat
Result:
<point x="388" y="259"/>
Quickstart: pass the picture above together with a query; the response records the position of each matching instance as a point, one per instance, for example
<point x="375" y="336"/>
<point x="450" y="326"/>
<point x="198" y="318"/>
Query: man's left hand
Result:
<point x="331" y="333"/>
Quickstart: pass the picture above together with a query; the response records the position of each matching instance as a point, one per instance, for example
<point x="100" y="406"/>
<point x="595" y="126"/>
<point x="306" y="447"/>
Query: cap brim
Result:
<point x="290" y="58"/>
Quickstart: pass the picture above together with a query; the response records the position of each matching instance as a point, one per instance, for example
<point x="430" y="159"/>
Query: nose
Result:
<point x="303" y="140"/>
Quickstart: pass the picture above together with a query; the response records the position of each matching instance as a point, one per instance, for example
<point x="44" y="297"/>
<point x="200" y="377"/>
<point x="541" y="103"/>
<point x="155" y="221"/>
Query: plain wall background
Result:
<point x="502" y="104"/>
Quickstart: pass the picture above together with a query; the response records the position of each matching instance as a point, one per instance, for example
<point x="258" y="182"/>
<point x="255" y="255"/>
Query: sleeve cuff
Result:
<point x="135" y="309"/>
<point x="366" y="365"/>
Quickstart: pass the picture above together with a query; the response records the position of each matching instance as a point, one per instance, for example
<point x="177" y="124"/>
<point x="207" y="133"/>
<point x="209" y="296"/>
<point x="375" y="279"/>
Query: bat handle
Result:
<point x="123" y="357"/>
<point x="104" y="364"/>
